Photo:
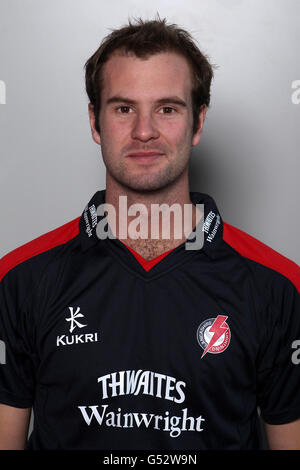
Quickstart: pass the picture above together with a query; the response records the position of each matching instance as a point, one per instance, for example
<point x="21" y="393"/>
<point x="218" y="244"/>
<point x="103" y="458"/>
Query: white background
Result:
<point x="248" y="159"/>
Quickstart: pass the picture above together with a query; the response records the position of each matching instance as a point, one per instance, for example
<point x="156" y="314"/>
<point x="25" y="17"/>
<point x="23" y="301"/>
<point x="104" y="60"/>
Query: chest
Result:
<point x="177" y="326"/>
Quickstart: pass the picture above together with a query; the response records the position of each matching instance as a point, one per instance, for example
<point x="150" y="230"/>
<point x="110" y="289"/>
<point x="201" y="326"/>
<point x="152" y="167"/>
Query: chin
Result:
<point x="140" y="181"/>
<point x="140" y="186"/>
<point x="146" y="182"/>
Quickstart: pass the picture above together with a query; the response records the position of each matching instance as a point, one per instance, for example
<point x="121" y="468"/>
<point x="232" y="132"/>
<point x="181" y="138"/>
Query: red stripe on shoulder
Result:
<point x="45" y="242"/>
<point x="255" y="250"/>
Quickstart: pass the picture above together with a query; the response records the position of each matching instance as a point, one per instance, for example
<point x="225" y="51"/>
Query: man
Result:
<point x="139" y="343"/>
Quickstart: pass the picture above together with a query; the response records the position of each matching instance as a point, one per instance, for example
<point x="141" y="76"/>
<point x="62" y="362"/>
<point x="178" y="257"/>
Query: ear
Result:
<point x="95" y="133"/>
<point x="201" y="117"/>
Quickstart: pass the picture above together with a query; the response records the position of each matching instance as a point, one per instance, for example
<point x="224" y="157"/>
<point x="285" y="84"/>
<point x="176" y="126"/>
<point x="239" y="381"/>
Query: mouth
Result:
<point x="145" y="157"/>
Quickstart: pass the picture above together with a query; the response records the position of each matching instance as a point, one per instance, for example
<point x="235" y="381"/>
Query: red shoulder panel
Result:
<point x="255" y="250"/>
<point x="45" y="242"/>
<point x="242" y="242"/>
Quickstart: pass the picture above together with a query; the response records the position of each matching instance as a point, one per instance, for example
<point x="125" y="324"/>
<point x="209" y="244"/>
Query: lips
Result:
<point x="144" y="154"/>
<point x="145" y="157"/>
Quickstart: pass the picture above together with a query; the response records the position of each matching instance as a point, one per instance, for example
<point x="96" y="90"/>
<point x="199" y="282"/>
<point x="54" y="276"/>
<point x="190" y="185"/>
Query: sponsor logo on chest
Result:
<point x="67" y="340"/>
<point x="213" y="335"/>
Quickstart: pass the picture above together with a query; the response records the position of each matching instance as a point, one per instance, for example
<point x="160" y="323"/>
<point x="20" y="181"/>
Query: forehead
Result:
<point x="164" y="74"/>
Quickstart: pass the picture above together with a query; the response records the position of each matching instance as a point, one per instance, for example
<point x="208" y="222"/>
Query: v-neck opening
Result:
<point x="172" y="260"/>
<point x="148" y="264"/>
<point x="212" y="244"/>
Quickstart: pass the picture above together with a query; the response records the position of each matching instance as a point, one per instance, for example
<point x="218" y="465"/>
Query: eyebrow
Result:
<point x="167" y="99"/>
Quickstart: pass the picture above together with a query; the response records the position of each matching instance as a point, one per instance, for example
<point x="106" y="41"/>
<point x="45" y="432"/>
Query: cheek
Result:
<point x="176" y="128"/>
<point x="177" y="135"/>
<point x="113" y="135"/>
<point x="115" y="129"/>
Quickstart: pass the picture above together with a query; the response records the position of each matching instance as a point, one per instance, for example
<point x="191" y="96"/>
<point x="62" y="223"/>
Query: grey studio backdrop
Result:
<point x="248" y="159"/>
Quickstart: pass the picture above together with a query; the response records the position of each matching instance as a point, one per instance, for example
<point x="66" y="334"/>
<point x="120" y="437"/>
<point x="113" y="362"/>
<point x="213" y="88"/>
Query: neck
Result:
<point x="143" y="222"/>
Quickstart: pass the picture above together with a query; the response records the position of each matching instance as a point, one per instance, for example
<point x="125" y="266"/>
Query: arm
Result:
<point x="284" y="436"/>
<point x="14" y="423"/>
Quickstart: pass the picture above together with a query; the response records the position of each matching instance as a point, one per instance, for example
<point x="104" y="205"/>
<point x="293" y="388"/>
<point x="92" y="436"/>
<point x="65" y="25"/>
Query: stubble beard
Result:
<point x="147" y="180"/>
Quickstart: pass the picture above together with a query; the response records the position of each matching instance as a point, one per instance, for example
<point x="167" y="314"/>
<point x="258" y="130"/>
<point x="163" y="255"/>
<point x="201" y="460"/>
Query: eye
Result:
<point x="167" y="110"/>
<point x="124" y="109"/>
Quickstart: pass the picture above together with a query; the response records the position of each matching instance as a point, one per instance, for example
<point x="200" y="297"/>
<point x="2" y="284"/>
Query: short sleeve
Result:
<point x="16" y="358"/>
<point x="278" y="376"/>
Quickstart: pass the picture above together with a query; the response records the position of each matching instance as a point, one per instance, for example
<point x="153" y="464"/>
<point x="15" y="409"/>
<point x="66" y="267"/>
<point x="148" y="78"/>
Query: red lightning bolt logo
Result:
<point x="218" y="328"/>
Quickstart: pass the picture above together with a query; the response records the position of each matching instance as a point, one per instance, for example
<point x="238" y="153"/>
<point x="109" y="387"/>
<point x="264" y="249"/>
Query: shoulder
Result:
<point x="43" y="244"/>
<point x="257" y="251"/>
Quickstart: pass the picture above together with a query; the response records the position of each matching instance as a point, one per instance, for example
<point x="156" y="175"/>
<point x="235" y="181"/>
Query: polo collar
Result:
<point x="212" y="226"/>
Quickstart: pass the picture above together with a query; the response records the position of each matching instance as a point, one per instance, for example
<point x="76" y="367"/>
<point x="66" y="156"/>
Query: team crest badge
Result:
<point x="213" y="335"/>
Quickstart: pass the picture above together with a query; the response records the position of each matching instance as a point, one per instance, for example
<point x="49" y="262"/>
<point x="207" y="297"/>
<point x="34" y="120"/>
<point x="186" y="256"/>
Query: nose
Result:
<point x="144" y="127"/>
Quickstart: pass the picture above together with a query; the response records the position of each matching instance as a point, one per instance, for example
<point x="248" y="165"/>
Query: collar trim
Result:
<point x="212" y="226"/>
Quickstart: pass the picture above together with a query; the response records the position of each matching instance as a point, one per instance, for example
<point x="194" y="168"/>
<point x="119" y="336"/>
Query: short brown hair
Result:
<point x="146" y="38"/>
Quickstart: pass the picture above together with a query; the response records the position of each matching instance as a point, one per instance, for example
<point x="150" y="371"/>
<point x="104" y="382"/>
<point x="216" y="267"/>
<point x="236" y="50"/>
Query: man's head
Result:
<point x="149" y="87"/>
